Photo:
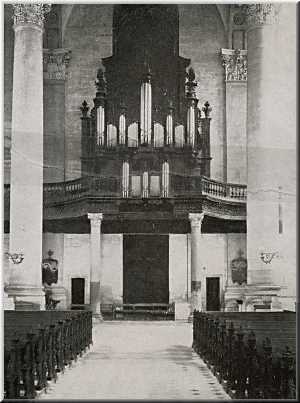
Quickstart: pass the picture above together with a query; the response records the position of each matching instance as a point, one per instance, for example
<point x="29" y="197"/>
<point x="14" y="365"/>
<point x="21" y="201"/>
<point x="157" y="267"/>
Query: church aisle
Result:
<point x="138" y="360"/>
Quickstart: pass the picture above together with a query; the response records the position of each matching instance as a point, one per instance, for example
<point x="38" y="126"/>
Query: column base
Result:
<point x="196" y="301"/>
<point x="97" y="317"/>
<point x="59" y="293"/>
<point x="26" y="298"/>
<point x="182" y="311"/>
<point x="252" y="297"/>
<point x="8" y="303"/>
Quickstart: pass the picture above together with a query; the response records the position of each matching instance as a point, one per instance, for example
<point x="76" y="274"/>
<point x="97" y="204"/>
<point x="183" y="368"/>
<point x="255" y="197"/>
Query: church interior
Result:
<point x="150" y="174"/>
<point x="149" y="158"/>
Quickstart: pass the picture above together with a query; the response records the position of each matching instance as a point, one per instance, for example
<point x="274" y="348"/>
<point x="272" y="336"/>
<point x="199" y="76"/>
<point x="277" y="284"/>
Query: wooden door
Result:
<point x="77" y="291"/>
<point x="212" y="293"/>
<point x="145" y="269"/>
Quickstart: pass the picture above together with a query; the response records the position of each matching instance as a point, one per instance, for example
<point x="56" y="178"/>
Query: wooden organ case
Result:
<point x="145" y="135"/>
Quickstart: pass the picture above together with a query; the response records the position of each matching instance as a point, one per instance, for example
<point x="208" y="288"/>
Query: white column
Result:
<point x="262" y="140"/>
<point x="196" y="265"/>
<point x="26" y="187"/>
<point x="95" y="273"/>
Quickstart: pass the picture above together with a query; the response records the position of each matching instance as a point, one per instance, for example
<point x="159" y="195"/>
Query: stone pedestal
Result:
<point x="8" y="302"/>
<point x="95" y="248"/>
<point x="59" y="293"/>
<point x="247" y="298"/>
<point x="182" y="311"/>
<point x="196" y="266"/>
<point x="26" y="187"/>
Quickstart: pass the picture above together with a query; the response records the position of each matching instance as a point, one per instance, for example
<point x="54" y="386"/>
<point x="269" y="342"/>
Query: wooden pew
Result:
<point x="38" y="345"/>
<point x="252" y="353"/>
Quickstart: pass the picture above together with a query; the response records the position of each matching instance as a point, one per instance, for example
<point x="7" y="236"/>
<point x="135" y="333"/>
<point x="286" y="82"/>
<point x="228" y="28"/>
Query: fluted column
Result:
<point x="264" y="140"/>
<point x="26" y="188"/>
<point x="196" y="266"/>
<point x="95" y="253"/>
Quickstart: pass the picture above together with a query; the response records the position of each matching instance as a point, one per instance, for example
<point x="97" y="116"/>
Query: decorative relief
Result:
<point x="239" y="18"/>
<point x="261" y="14"/>
<point x="235" y="64"/>
<point x="55" y="63"/>
<point x="239" y="269"/>
<point x="30" y="13"/>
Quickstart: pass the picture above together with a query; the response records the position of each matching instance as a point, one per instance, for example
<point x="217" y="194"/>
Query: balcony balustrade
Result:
<point x="111" y="187"/>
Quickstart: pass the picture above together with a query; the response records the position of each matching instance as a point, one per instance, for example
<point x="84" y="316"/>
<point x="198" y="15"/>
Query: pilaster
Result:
<point x="235" y="68"/>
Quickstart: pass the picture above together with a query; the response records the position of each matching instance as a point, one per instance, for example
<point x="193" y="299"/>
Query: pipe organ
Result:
<point x="145" y="124"/>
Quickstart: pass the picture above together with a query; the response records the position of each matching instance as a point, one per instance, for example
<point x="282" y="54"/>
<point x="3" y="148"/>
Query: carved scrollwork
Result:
<point x="30" y="13"/>
<point x="235" y="64"/>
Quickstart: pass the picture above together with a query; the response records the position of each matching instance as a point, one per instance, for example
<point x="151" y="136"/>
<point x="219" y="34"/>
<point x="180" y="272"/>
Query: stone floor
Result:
<point x="138" y="360"/>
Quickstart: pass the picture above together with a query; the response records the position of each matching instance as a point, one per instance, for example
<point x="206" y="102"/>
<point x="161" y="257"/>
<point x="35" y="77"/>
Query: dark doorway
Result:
<point x="77" y="291"/>
<point x="212" y="293"/>
<point x="145" y="269"/>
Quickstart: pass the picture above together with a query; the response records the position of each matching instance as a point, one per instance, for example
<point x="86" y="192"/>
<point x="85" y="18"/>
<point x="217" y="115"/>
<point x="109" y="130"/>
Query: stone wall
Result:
<point x="88" y="34"/>
<point x="201" y="36"/>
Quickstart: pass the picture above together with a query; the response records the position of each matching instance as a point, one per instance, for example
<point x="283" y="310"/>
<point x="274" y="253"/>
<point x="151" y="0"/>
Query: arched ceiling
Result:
<point x="223" y="9"/>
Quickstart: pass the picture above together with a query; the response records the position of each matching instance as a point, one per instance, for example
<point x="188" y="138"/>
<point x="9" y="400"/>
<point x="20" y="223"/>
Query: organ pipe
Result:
<point x="169" y="129"/>
<point x="191" y="125"/>
<point x="165" y="179"/>
<point x="125" y="179"/>
<point x="146" y="110"/>
<point x="122" y="129"/>
<point x="145" y="184"/>
<point x="100" y="125"/>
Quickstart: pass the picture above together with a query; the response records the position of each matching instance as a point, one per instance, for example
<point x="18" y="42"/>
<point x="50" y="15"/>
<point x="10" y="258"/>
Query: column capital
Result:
<point x="261" y="14"/>
<point x="55" y="63"/>
<point x="235" y="64"/>
<point x="95" y="218"/>
<point x="30" y="14"/>
<point x="196" y="219"/>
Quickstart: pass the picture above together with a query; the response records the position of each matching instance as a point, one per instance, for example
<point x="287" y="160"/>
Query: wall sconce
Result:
<point x="16" y="258"/>
<point x="267" y="257"/>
